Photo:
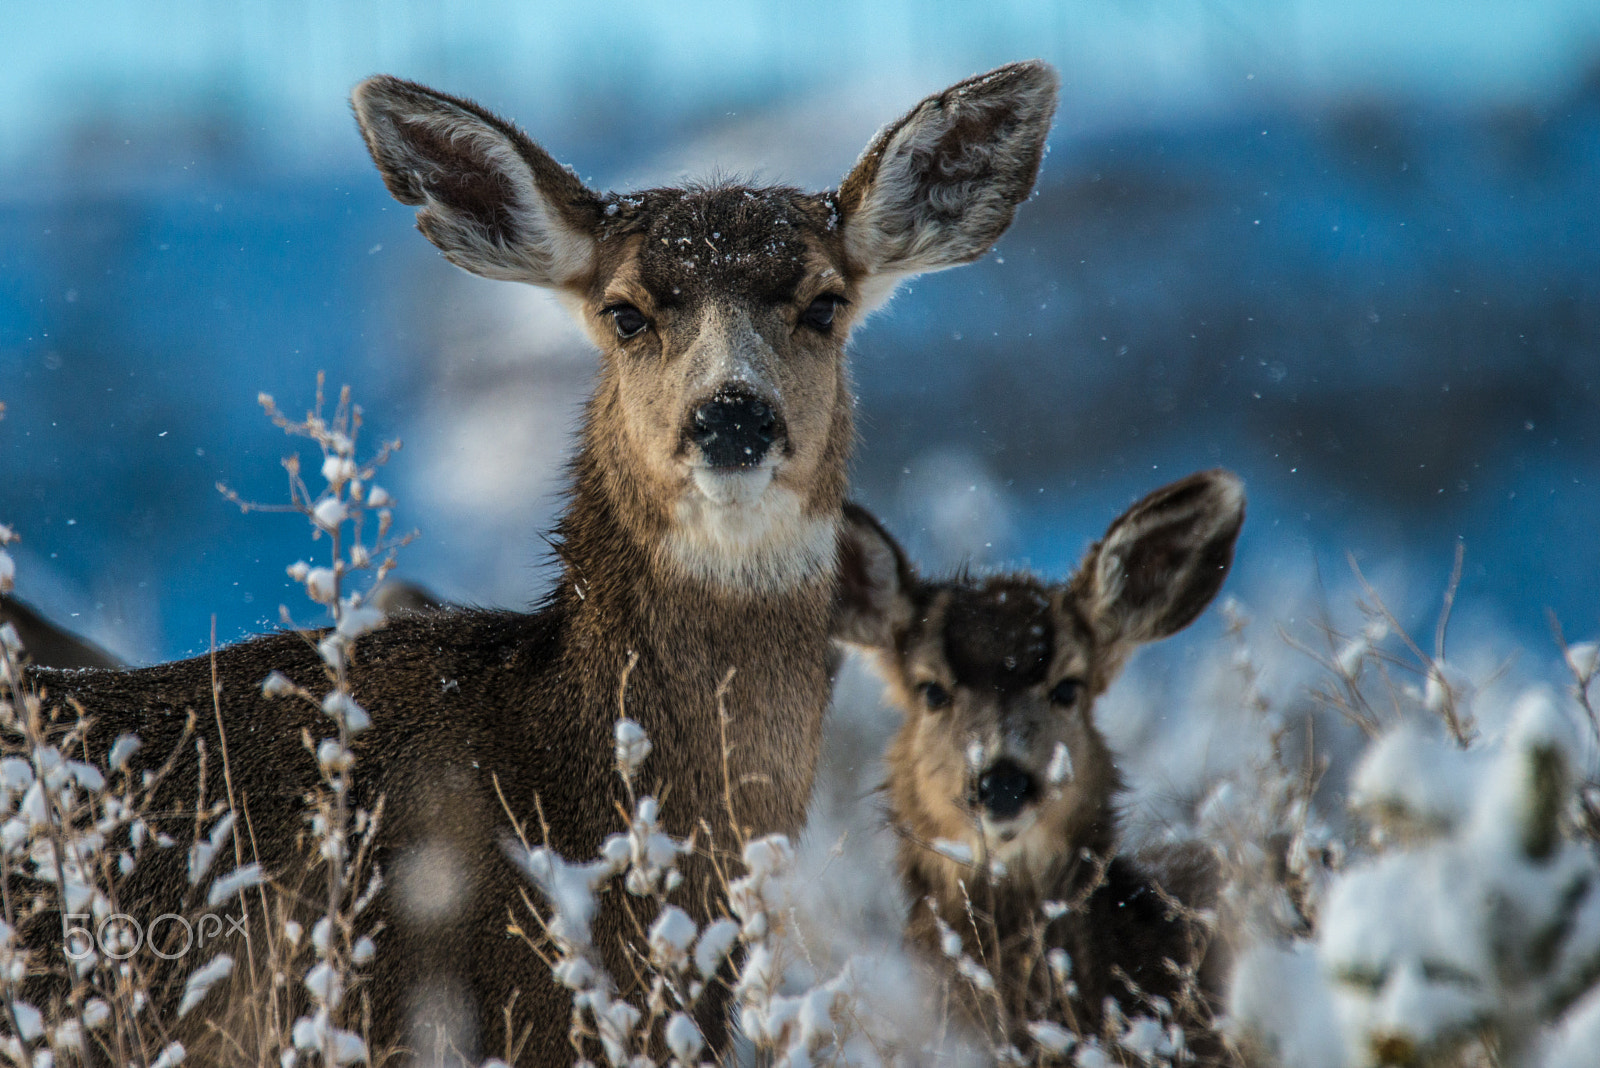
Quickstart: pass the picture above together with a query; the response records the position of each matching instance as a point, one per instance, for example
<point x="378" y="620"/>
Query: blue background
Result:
<point x="1351" y="253"/>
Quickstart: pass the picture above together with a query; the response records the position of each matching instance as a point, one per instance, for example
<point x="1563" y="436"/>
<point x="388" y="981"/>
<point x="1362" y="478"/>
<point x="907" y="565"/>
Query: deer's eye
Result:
<point x="1066" y="692"/>
<point x="933" y="695"/>
<point x="819" y="313"/>
<point x="630" y="320"/>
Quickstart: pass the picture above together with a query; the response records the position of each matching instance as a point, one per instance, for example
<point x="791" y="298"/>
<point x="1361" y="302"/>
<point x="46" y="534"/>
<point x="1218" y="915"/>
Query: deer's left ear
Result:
<point x="940" y="186"/>
<point x="1163" y="560"/>
<point x="875" y="582"/>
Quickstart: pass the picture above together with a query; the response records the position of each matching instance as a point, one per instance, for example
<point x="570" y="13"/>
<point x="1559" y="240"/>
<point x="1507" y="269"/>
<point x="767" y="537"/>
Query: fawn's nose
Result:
<point x="1004" y="787"/>
<point x="734" y="429"/>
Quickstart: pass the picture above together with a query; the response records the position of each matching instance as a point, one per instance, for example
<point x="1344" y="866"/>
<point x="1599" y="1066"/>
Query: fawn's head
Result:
<point x="722" y="420"/>
<point x="997" y="677"/>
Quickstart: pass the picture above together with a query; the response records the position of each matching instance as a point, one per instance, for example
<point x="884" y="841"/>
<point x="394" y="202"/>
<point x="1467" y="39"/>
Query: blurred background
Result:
<point x="1348" y="248"/>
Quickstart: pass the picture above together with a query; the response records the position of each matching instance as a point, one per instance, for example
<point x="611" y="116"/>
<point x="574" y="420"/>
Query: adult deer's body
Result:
<point x="50" y="645"/>
<point x="701" y="537"/>
<point x="1002" y="788"/>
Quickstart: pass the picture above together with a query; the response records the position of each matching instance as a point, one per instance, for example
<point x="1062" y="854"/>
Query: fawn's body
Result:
<point x="1003" y="790"/>
<point x="702" y="536"/>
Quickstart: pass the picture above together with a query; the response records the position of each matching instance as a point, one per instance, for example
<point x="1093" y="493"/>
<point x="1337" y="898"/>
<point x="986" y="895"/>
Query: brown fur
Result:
<point x="474" y="712"/>
<point x="994" y="652"/>
<point x="48" y="645"/>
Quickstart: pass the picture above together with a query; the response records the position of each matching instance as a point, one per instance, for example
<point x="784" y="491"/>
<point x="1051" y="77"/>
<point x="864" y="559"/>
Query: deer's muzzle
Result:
<point x="1004" y="788"/>
<point x="734" y="429"/>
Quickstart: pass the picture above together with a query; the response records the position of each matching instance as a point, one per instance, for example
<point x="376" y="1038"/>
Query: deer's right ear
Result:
<point x="494" y="202"/>
<point x="939" y="187"/>
<point x="875" y="582"/>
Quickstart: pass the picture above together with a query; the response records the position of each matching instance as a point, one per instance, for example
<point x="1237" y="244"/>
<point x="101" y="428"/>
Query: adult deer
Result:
<point x="1004" y="791"/>
<point x="48" y="644"/>
<point x="702" y="537"/>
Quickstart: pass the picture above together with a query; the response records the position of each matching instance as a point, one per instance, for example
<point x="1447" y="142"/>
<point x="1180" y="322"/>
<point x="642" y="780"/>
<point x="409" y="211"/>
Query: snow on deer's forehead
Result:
<point x="731" y="240"/>
<point x="999" y="636"/>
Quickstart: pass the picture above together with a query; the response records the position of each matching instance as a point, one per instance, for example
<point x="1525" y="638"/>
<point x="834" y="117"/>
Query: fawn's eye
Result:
<point x="1066" y="692"/>
<point x="630" y="320"/>
<point x="933" y="695"/>
<point x="819" y="313"/>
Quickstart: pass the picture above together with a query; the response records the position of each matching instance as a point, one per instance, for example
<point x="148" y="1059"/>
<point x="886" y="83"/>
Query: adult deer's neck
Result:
<point x="622" y="599"/>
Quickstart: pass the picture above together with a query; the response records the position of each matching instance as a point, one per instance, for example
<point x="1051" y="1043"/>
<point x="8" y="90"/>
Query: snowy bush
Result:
<point x="342" y="838"/>
<point x="76" y="974"/>
<point x="823" y="1023"/>
<point x="1466" y="928"/>
<point x="1427" y="895"/>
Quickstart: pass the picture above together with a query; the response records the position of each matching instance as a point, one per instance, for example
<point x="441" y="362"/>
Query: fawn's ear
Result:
<point x="493" y="201"/>
<point x="1163" y="560"/>
<point x="939" y="187"/>
<point x="875" y="582"/>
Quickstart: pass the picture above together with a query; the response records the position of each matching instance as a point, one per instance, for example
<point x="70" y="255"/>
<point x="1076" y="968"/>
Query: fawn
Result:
<point x="702" y="537"/>
<point x="1001" y="788"/>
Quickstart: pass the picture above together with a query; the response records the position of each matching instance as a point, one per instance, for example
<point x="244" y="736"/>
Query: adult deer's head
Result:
<point x="722" y="420"/>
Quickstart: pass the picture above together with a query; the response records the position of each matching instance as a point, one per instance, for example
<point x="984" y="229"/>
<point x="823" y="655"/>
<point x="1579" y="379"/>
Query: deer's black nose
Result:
<point x="734" y="430"/>
<point x="1005" y="787"/>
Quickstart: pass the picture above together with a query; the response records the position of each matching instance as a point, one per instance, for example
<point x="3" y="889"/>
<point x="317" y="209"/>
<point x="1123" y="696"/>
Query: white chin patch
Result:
<point x="1021" y="842"/>
<point x="742" y="488"/>
<point x="737" y="529"/>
